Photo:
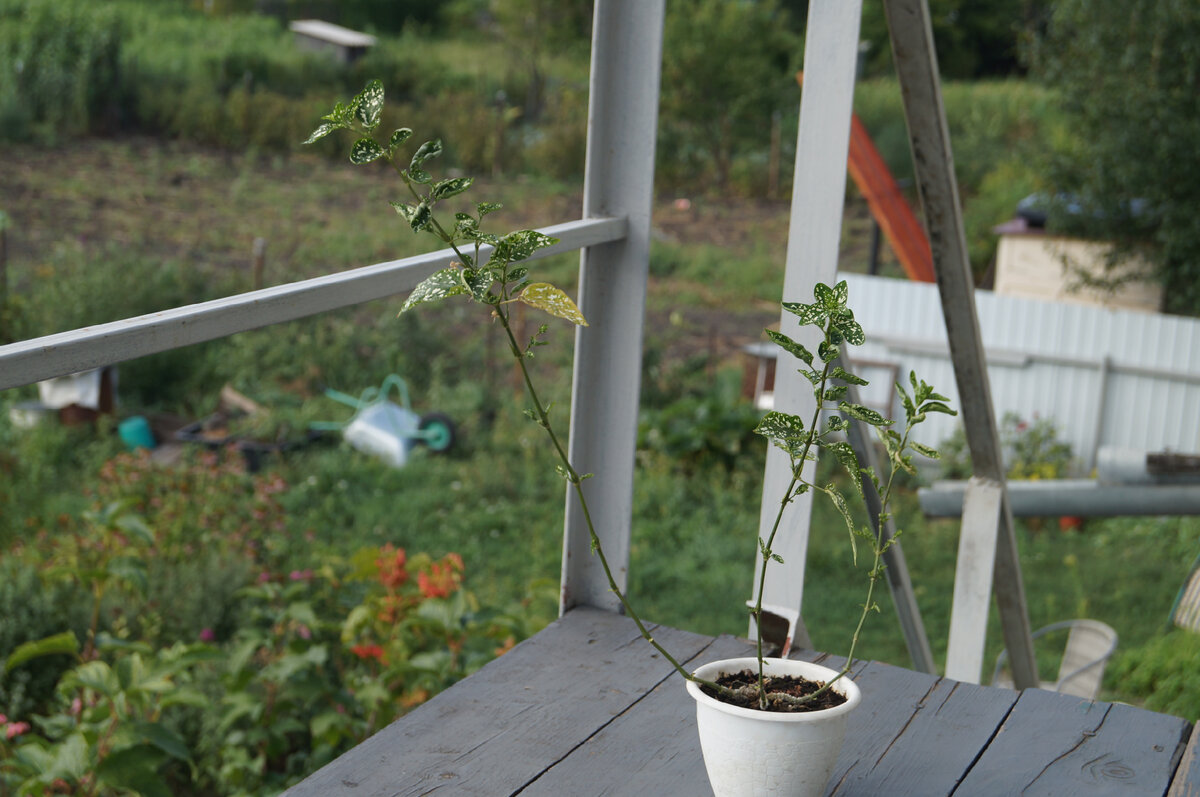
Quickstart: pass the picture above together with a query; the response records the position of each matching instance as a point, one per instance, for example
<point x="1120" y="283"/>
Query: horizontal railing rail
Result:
<point x="63" y="353"/>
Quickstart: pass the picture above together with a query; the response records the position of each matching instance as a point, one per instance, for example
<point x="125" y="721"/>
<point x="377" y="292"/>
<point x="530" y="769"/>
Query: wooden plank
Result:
<point x="814" y="234"/>
<point x="498" y="729"/>
<point x="915" y="733"/>
<point x="653" y="744"/>
<point x="1058" y="745"/>
<point x="1186" y="782"/>
<point x="915" y="58"/>
<point x="973" y="579"/>
<point x="619" y="180"/>
<point x="105" y="344"/>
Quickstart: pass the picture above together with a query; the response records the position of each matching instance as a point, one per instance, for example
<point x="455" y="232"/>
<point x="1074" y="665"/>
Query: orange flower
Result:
<point x="391" y="566"/>
<point x="440" y="581"/>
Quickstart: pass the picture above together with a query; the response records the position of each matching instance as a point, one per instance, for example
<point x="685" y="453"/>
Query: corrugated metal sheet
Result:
<point x="1046" y="360"/>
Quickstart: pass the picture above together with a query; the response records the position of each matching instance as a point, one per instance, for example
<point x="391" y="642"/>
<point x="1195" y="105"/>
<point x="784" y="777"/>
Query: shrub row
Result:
<point x="181" y="637"/>
<point x="77" y="67"/>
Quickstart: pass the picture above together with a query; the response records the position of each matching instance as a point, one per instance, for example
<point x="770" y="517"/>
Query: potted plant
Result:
<point x="754" y="714"/>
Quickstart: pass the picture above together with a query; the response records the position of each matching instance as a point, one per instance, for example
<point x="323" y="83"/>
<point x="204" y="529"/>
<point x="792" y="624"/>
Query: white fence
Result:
<point x="1105" y="377"/>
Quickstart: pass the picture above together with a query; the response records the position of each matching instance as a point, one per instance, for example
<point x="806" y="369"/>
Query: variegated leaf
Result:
<point x="841" y="373"/>
<point x="436" y="287"/>
<point x="444" y="189"/>
<point x="839" y="502"/>
<point x="783" y="429"/>
<point x="807" y="313"/>
<point x="864" y="414"/>
<point x="853" y="332"/>
<point x="827" y="352"/>
<point x="937" y="406"/>
<point x="845" y="454"/>
<point x="368" y="105"/>
<point x="841" y="292"/>
<point x="521" y="244"/>
<point x="924" y="450"/>
<point x="430" y="149"/>
<point x="545" y="296"/>
<point x="789" y="345"/>
<point x="323" y="129"/>
<point x="399" y="137"/>
<point x="365" y="150"/>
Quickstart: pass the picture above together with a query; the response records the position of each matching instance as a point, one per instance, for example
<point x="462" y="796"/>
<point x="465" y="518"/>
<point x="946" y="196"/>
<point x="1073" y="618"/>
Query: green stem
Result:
<point x="577" y="484"/>
<point x="788" y="496"/>
<point x="877" y="551"/>
<point x="437" y="226"/>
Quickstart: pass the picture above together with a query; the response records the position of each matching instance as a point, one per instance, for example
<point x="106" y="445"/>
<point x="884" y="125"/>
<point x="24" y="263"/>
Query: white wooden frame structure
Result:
<point x="613" y="236"/>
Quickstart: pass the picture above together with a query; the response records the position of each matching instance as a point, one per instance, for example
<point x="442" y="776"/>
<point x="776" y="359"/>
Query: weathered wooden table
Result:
<point x="584" y="708"/>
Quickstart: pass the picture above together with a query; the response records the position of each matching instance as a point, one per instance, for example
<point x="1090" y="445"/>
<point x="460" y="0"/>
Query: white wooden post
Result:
<point x="619" y="181"/>
<point x="973" y="579"/>
<point x="818" y="195"/>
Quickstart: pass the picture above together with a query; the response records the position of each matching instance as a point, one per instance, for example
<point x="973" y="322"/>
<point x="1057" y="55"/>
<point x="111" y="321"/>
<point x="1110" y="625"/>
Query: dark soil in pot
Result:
<point x="788" y="684"/>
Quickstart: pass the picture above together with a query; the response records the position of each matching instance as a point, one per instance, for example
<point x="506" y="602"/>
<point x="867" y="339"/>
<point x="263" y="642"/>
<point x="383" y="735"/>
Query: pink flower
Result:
<point x="301" y="575"/>
<point x="304" y="632"/>
<point x="264" y="577"/>
<point x="207" y="635"/>
<point x="16" y="729"/>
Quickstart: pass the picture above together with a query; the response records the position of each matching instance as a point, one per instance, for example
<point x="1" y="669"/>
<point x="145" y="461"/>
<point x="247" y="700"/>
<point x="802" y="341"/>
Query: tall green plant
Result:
<point x="500" y="280"/>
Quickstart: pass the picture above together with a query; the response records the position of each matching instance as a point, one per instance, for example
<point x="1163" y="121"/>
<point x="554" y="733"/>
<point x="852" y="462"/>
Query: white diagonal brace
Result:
<point x="814" y="234"/>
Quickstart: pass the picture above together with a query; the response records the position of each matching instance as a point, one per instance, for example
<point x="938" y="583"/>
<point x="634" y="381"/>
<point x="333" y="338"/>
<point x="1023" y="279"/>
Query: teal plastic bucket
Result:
<point x="135" y="433"/>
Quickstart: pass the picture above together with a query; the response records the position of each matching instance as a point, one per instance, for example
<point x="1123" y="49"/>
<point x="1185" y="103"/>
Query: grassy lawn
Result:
<point x="92" y="219"/>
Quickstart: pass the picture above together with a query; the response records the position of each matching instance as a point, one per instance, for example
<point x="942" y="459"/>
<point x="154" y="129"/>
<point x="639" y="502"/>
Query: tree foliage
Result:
<point x="974" y="38"/>
<point x="727" y="66"/>
<point x="1129" y="76"/>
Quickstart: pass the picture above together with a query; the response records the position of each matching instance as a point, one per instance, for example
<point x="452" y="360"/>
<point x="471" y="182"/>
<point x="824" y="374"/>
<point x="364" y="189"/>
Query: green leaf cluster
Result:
<point x="831" y="383"/>
<point x="495" y="281"/>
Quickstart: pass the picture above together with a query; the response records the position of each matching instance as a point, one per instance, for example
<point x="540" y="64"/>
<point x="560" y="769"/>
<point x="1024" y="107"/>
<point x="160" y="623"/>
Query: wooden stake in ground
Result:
<point x="4" y="332"/>
<point x="260" y="259"/>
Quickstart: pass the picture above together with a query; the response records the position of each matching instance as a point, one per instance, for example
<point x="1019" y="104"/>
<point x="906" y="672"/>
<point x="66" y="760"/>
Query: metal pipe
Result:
<point x="1072" y="497"/>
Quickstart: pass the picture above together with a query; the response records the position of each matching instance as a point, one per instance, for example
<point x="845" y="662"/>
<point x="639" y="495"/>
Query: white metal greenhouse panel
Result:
<point x="1105" y="377"/>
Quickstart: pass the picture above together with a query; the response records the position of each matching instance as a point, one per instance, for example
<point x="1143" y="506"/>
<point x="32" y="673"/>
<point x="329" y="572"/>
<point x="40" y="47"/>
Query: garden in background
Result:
<point x="221" y="625"/>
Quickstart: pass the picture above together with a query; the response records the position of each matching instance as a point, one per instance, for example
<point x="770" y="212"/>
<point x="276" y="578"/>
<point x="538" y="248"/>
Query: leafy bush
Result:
<point x="60" y="67"/>
<point x="996" y="129"/>
<point x="695" y="432"/>
<point x="172" y="693"/>
<point x="33" y="611"/>
<point x="726" y="67"/>
<point x="1032" y="450"/>
<point x="1164" y="672"/>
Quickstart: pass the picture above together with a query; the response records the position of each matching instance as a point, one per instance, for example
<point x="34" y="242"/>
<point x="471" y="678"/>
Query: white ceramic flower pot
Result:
<point x="751" y="753"/>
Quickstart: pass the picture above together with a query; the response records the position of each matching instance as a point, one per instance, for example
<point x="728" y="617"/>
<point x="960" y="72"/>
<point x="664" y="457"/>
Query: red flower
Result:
<point x="368" y="652"/>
